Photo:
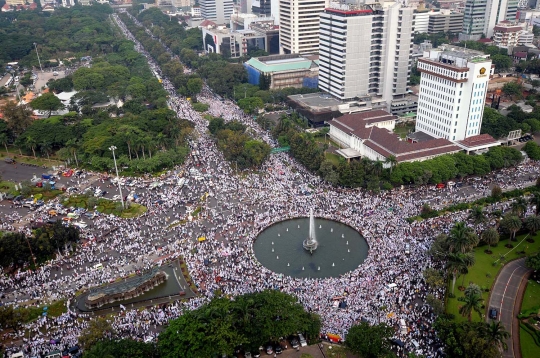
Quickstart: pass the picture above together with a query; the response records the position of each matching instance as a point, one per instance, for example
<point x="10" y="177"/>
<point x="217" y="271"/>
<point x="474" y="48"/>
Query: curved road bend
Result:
<point x="504" y="297"/>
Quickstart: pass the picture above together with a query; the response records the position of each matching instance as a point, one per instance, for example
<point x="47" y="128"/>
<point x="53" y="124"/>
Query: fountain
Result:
<point x="311" y="243"/>
<point x="286" y="253"/>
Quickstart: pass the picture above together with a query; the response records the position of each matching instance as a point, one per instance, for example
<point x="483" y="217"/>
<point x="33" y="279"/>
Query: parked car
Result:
<point x="9" y="160"/>
<point x="269" y="349"/>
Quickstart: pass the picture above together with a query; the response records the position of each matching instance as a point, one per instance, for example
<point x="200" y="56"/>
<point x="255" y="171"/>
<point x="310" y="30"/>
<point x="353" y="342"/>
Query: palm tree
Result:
<point x="46" y="148"/>
<point x="512" y="224"/>
<point x="497" y="334"/>
<point x="31" y="143"/>
<point x="458" y="263"/>
<point x="391" y="159"/>
<point x="161" y="140"/>
<point x="471" y="302"/>
<point x="473" y="289"/>
<point x="462" y="238"/>
<point x="532" y="223"/>
<point x="535" y="200"/>
<point x="477" y="214"/>
<point x="490" y="236"/>
<point x="519" y="206"/>
<point x="4" y="140"/>
<point x="73" y="146"/>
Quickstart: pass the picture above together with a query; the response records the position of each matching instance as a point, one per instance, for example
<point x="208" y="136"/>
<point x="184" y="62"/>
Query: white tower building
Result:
<point x="453" y="86"/>
<point x="299" y="25"/>
<point x="365" y="50"/>
<point x="218" y="11"/>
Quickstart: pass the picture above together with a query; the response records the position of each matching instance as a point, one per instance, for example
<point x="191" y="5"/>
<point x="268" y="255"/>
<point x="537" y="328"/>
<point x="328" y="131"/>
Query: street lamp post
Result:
<point x="35" y="45"/>
<point x="112" y="149"/>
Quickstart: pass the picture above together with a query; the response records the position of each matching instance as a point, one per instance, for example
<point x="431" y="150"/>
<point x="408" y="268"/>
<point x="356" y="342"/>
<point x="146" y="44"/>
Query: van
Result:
<point x="17" y="355"/>
<point x="98" y="266"/>
<point x="391" y="286"/>
<point x="302" y="340"/>
<point x="403" y="326"/>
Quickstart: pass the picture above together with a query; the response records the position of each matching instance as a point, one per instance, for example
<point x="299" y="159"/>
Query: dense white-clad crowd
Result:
<point x="244" y="207"/>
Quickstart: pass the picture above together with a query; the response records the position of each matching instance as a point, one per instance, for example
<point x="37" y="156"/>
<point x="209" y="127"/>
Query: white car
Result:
<point x="407" y="249"/>
<point x="80" y="224"/>
<point x="116" y="197"/>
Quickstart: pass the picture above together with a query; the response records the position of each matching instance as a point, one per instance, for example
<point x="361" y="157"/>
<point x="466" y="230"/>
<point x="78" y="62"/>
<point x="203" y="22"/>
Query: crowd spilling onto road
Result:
<point x="235" y="210"/>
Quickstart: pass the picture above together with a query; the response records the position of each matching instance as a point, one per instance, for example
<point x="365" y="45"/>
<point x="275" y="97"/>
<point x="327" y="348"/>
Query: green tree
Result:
<point x="466" y="339"/>
<point x="496" y="334"/>
<point x="47" y="102"/>
<point x="4" y="140"/>
<point x="513" y="89"/>
<point x="535" y="201"/>
<point x="18" y="117"/>
<point x="458" y="263"/>
<point x="124" y="348"/>
<point x="31" y="143"/>
<point x="532" y="223"/>
<point x="436" y="305"/>
<point x="369" y="341"/>
<point x="477" y="214"/>
<point x="490" y="236"/>
<point x="434" y="278"/>
<point x="462" y="238"/>
<point x="194" y="86"/>
<point x="533" y="261"/>
<point x="519" y="206"/>
<point x="471" y="302"/>
<point x="96" y="331"/>
<point x="511" y="224"/>
<point x="496" y="192"/>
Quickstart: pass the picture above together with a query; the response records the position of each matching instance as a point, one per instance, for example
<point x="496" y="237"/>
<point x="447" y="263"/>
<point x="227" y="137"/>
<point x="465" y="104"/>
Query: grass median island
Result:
<point x="530" y="337"/>
<point x="484" y="271"/>
<point x="106" y="206"/>
<point x="529" y="349"/>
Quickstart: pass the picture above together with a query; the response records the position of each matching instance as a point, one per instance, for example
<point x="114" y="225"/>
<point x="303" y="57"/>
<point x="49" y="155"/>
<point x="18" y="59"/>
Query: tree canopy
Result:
<point x="249" y="321"/>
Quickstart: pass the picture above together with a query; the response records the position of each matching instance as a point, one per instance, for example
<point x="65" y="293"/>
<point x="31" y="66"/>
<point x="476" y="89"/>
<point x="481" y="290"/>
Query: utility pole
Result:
<point x="112" y="149"/>
<point x="35" y="45"/>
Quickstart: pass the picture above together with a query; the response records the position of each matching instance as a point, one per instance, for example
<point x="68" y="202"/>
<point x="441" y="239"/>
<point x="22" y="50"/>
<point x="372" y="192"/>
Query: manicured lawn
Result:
<point x="484" y="272"/>
<point x="403" y="130"/>
<point x="531" y="298"/>
<point x="106" y="206"/>
<point x="8" y="187"/>
<point x="334" y="158"/>
<point x="14" y="153"/>
<point x="53" y="310"/>
<point x="529" y="349"/>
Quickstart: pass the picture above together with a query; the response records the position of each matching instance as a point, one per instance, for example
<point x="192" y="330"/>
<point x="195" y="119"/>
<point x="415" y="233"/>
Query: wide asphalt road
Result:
<point x="504" y="299"/>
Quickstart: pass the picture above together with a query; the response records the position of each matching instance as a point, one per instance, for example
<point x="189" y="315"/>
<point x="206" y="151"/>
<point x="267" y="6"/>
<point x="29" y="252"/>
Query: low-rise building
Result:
<point x="445" y="21"/>
<point x="285" y="70"/>
<point x="506" y="34"/>
<point x="368" y="135"/>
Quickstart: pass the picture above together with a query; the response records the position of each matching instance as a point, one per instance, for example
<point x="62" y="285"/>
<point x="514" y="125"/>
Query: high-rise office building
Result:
<point x="299" y="25"/>
<point x="365" y="50"/>
<point x="453" y="86"/>
<point x="480" y="16"/>
<point x="218" y="11"/>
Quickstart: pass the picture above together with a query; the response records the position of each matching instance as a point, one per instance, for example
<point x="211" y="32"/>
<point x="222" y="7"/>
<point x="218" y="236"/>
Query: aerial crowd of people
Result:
<point x="234" y="210"/>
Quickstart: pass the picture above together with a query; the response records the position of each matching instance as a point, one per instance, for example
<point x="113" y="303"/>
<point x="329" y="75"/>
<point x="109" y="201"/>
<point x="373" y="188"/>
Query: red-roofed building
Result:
<point x="365" y="134"/>
<point x="6" y="8"/>
<point x="478" y="143"/>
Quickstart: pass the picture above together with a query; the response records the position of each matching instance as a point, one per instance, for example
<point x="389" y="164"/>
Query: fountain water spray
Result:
<point x="311" y="243"/>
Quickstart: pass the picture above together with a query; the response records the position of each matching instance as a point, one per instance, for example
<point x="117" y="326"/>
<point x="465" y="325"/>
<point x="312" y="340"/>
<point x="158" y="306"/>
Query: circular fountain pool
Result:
<point x="340" y="248"/>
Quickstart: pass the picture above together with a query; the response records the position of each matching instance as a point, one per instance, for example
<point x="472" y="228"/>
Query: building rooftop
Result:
<point x="387" y="143"/>
<point x="367" y="117"/>
<point x="277" y="63"/>
<point x="317" y="101"/>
